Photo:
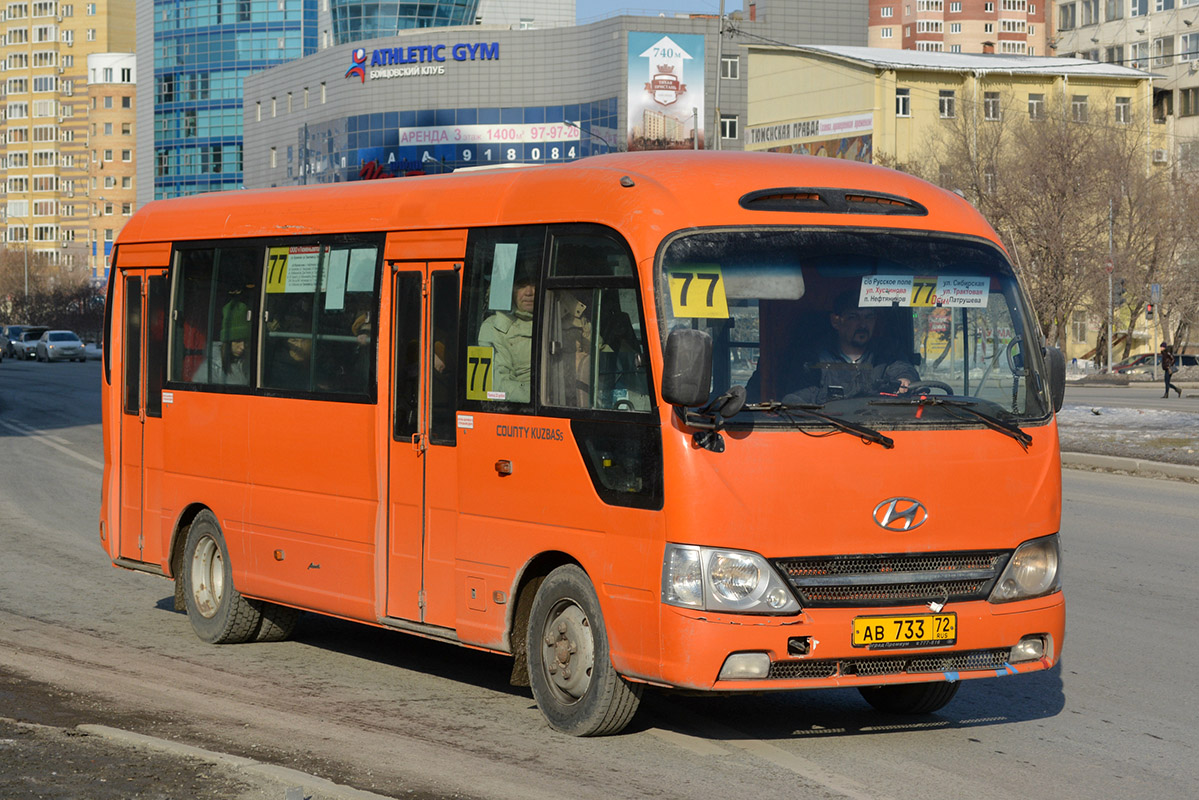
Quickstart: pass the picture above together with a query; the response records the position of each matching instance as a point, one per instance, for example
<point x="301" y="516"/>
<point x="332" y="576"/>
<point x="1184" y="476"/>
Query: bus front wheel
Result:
<point x="570" y="670"/>
<point x="910" y="698"/>
<point x="217" y="612"/>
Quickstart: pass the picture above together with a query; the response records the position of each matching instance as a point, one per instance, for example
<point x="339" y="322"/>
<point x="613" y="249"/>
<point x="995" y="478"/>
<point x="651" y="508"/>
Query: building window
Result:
<point x="730" y="68"/>
<point x="955" y="27"/>
<point x="887" y="12"/>
<point x="1190" y="47"/>
<point x="274" y="161"/>
<point x="1078" y="108"/>
<point x="126" y="155"/>
<point x="903" y="102"/>
<point x="1067" y="18"/>
<point x="728" y="126"/>
<point x="988" y="27"/>
<point x="1188" y="102"/>
<point x="1036" y="106"/>
<point x="1124" y="110"/>
<point x="955" y="8"/>
<point x="989" y="8"/>
<point x="991" y="105"/>
<point x="108" y="155"/>
<point x="885" y="33"/>
<point x="948" y="103"/>
<point x="1113" y="9"/>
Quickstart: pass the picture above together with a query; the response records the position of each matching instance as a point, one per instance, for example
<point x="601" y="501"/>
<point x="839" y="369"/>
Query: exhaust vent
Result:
<point x="830" y="201"/>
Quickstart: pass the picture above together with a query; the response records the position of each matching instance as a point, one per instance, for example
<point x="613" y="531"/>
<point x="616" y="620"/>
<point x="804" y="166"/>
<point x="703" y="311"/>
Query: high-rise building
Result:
<point x="1016" y="27"/>
<point x="111" y="181"/>
<point x="45" y="167"/>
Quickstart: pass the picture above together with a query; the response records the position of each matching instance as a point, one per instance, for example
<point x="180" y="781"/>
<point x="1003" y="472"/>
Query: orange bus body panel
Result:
<point x="303" y="492"/>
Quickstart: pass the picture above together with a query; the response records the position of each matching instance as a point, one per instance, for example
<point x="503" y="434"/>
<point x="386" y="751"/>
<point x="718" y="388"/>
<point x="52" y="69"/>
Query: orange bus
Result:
<point x="698" y="421"/>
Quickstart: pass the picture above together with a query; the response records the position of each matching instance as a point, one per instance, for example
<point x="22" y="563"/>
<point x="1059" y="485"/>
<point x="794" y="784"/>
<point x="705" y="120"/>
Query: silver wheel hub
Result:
<point x="208" y="577"/>
<point x="568" y="654"/>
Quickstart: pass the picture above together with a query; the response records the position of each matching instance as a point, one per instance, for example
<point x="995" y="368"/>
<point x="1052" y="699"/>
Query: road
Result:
<point x="404" y="717"/>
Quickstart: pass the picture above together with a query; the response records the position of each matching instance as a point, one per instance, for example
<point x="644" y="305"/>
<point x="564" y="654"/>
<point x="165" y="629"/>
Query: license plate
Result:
<point x="910" y="630"/>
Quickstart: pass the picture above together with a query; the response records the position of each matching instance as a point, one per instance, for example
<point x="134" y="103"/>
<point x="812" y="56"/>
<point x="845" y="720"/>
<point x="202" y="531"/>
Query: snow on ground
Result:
<point x="1157" y="435"/>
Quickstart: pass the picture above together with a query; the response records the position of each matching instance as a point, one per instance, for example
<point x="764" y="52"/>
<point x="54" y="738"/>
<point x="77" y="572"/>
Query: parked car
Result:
<point x="26" y="346"/>
<point x="1145" y="362"/>
<point x="60" y="346"/>
<point x="11" y="335"/>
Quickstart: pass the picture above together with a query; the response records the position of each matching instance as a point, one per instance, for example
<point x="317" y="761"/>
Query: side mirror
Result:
<point x="1055" y="361"/>
<point x="687" y="367"/>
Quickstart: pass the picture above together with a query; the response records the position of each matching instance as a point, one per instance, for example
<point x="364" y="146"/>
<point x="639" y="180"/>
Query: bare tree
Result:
<point x="1066" y="194"/>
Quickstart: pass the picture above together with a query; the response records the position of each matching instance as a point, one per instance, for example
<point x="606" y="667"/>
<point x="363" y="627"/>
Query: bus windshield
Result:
<point x="888" y="329"/>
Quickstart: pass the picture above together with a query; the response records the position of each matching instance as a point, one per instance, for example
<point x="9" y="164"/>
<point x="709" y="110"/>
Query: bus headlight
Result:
<point x="723" y="580"/>
<point x="1032" y="572"/>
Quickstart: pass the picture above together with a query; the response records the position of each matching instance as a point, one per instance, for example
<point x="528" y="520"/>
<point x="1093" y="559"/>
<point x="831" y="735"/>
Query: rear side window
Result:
<point x="215" y="316"/>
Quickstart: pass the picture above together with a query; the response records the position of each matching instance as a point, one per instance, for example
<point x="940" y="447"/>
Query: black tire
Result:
<point x="278" y="622"/>
<point x="911" y="698"/>
<point x="570" y="668"/>
<point x="217" y="611"/>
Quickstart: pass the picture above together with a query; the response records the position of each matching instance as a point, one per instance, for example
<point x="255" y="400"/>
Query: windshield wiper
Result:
<point x="866" y="434"/>
<point x="993" y="423"/>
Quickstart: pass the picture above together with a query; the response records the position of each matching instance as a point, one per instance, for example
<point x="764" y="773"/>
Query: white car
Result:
<point x="26" y="346"/>
<point x="60" y="346"/>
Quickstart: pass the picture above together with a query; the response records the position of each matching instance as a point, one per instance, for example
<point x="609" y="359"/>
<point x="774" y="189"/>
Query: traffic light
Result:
<point x="1118" y="294"/>
<point x="1149" y="311"/>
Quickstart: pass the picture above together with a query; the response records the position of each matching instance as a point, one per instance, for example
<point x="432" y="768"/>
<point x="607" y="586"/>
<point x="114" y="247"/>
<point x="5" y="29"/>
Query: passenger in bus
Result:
<point x="290" y="366"/>
<point x="852" y="362"/>
<point x="230" y="365"/>
<point x="510" y="336"/>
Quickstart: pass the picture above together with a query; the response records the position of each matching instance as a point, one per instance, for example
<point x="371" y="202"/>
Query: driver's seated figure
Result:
<point x="850" y="364"/>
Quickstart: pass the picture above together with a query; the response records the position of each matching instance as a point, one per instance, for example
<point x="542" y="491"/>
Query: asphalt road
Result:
<point x="81" y="642"/>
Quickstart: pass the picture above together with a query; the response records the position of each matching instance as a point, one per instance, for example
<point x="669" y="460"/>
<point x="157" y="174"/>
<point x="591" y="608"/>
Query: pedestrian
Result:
<point x="1169" y="367"/>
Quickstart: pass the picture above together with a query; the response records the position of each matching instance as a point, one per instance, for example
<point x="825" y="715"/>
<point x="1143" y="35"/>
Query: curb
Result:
<point x="284" y="776"/>
<point x="1136" y="466"/>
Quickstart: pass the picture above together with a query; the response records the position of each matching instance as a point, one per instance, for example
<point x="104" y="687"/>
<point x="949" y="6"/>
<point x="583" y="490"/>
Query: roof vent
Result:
<point x="830" y="201"/>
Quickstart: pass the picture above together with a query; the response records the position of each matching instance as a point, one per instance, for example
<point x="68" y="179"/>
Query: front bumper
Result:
<point x="695" y="645"/>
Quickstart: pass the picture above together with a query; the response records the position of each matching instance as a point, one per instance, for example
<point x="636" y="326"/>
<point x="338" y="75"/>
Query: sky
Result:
<point x="590" y="9"/>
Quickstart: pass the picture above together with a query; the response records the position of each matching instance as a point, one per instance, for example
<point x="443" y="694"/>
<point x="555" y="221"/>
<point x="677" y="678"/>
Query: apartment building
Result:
<point x="1161" y="36"/>
<point x="1015" y="27"/>
<point x="112" y="179"/>
<point x="44" y="169"/>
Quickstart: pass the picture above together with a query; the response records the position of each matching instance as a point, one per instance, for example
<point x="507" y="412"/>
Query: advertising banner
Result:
<point x="666" y="91"/>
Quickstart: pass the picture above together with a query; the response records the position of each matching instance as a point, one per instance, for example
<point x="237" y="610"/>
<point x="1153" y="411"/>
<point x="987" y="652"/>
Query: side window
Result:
<point x="592" y="342"/>
<point x="216" y="302"/>
<point x="407" y="327"/>
<point x="320" y="318"/>
<point x="191" y="320"/>
<point x="503" y="269"/>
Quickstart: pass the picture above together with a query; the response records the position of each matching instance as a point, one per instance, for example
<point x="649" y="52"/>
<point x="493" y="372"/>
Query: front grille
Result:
<point x="799" y="669"/>
<point x="896" y="579"/>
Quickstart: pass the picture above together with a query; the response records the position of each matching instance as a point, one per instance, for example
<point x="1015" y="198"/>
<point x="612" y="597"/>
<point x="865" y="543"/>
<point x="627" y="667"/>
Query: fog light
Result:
<point x="745" y="666"/>
<point x="1030" y="648"/>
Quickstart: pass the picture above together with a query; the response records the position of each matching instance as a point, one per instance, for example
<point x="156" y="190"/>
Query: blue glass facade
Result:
<point x="393" y="143"/>
<point x="203" y="49"/>
<point x="354" y="21"/>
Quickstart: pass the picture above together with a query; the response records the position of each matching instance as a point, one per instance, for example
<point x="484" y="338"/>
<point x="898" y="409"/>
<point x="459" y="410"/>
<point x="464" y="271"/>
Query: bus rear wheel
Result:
<point x="217" y="611"/>
<point x="570" y="670"/>
<point x="910" y="698"/>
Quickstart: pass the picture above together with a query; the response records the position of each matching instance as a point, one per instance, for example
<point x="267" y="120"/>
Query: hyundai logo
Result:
<point x="900" y="514"/>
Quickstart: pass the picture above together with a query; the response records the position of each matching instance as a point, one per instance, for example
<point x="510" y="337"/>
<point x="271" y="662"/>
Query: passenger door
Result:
<point x="142" y="330"/>
<point x="422" y="472"/>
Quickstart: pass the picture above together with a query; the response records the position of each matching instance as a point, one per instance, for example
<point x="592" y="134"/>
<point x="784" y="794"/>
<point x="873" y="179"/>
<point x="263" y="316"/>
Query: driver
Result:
<point x="850" y="364"/>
